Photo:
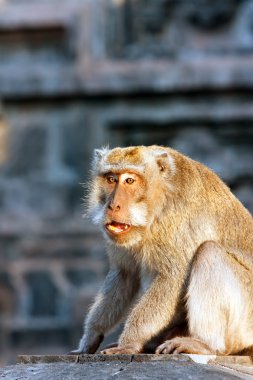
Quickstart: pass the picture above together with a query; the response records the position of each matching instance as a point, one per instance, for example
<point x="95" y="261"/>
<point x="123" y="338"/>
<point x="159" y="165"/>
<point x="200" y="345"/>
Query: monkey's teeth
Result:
<point x="117" y="227"/>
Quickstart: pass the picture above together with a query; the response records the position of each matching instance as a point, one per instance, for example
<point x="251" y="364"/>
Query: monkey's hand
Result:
<point x="127" y="349"/>
<point x="88" y="348"/>
<point x="187" y="345"/>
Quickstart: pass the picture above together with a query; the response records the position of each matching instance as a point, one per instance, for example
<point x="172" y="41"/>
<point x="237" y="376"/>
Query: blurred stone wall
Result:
<point x="78" y="74"/>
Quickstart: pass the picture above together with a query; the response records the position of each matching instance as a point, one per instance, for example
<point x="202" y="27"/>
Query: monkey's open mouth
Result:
<point x="117" y="228"/>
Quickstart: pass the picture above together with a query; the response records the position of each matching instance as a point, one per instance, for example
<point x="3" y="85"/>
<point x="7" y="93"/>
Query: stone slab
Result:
<point x="204" y="365"/>
<point x="121" y="367"/>
<point x="108" y="77"/>
<point x="142" y="366"/>
<point x="121" y="370"/>
<point x="140" y="358"/>
<point x="33" y="16"/>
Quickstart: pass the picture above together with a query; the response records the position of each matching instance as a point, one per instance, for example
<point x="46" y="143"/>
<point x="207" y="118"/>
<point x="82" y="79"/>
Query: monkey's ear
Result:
<point x="162" y="159"/>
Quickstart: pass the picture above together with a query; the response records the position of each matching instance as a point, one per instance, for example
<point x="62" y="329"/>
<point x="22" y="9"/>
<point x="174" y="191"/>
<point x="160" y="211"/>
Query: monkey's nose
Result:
<point x="113" y="207"/>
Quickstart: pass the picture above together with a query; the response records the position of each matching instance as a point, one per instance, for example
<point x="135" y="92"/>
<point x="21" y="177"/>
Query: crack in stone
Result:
<point x="120" y="370"/>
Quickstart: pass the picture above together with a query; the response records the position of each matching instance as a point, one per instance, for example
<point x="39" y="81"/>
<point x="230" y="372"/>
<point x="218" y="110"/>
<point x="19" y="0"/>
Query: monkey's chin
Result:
<point x="116" y="228"/>
<point x="128" y="238"/>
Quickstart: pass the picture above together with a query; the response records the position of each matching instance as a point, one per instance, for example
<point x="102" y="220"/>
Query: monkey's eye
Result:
<point x="111" y="178"/>
<point x="129" y="181"/>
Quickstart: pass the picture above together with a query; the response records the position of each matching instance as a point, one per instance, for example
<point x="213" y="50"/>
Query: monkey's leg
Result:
<point x="155" y="311"/>
<point x="218" y="303"/>
<point x="111" y="303"/>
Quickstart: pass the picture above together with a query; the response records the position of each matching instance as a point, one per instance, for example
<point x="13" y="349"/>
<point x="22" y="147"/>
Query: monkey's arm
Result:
<point x="156" y="311"/>
<point x="111" y="302"/>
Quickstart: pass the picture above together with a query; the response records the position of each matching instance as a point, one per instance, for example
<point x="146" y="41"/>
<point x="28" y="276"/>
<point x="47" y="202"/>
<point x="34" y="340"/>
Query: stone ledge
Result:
<point x="200" y="359"/>
<point x="128" y="367"/>
<point x="111" y="77"/>
<point x="33" y="16"/>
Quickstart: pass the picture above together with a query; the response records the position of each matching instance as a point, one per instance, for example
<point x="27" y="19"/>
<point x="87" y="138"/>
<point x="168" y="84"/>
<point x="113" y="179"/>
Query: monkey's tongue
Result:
<point x="116" y="227"/>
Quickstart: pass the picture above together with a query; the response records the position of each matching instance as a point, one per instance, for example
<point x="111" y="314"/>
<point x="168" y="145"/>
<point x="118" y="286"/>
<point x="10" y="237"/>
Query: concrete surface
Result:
<point x="129" y="367"/>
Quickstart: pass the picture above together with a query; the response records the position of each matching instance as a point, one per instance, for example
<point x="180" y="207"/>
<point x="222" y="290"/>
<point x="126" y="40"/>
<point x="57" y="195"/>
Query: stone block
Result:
<point x="42" y="289"/>
<point x="135" y="366"/>
<point x="27" y="151"/>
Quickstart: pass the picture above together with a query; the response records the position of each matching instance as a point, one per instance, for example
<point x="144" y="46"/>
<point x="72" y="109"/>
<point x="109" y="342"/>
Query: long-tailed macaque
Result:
<point x="180" y="247"/>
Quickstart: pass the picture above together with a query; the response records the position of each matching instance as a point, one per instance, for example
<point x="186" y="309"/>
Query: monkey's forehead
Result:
<point x="135" y="158"/>
<point x="132" y="155"/>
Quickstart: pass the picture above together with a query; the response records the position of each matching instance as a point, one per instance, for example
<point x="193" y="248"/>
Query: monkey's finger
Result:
<point x="160" y="349"/>
<point x="181" y="349"/>
<point x="118" y="350"/>
<point x="111" y="351"/>
<point x="167" y="347"/>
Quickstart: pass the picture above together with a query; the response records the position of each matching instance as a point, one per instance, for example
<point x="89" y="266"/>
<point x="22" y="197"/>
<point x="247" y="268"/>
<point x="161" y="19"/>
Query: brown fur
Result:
<point x="189" y="237"/>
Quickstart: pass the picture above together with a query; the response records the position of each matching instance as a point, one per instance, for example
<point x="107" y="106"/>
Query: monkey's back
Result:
<point x="232" y="221"/>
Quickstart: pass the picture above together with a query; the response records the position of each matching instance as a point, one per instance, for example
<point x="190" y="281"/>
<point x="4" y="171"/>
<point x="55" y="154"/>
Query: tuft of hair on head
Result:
<point x="99" y="153"/>
<point x="98" y="156"/>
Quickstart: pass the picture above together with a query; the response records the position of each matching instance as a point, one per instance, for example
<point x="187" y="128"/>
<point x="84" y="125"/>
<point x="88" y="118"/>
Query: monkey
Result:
<point x="180" y="249"/>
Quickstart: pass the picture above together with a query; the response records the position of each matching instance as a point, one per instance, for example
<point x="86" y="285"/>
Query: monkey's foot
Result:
<point x="119" y="350"/>
<point x="90" y="348"/>
<point x="187" y="345"/>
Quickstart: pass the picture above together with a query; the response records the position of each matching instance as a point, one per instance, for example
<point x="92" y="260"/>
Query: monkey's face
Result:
<point x="126" y="209"/>
<point x="128" y="191"/>
<point x="123" y="212"/>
